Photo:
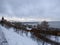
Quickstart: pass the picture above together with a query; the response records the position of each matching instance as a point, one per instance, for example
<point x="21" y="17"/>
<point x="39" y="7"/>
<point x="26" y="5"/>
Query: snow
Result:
<point x="15" y="39"/>
<point x="28" y="28"/>
<point x="3" y="40"/>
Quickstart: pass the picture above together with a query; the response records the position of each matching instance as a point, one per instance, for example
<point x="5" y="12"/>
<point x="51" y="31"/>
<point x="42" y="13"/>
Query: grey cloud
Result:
<point x="31" y="8"/>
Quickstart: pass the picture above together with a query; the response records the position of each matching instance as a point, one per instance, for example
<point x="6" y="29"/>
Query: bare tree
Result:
<point x="44" y="25"/>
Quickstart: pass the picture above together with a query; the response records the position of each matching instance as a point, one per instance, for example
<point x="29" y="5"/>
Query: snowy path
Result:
<point x="3" y="40"/>
<point x="15" y="39"/>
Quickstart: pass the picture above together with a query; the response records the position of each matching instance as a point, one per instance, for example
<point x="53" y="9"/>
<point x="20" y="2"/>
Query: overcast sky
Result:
<point x="30" y="10"/>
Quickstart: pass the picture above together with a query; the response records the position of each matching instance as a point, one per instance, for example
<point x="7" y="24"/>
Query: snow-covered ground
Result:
<point x="14" y="38"/>
<point x="3" y="40"/>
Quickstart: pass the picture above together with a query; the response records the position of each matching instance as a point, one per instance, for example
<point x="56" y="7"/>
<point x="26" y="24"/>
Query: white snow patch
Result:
<point x="28" y="28"/>
<point x="15" y="39"/>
